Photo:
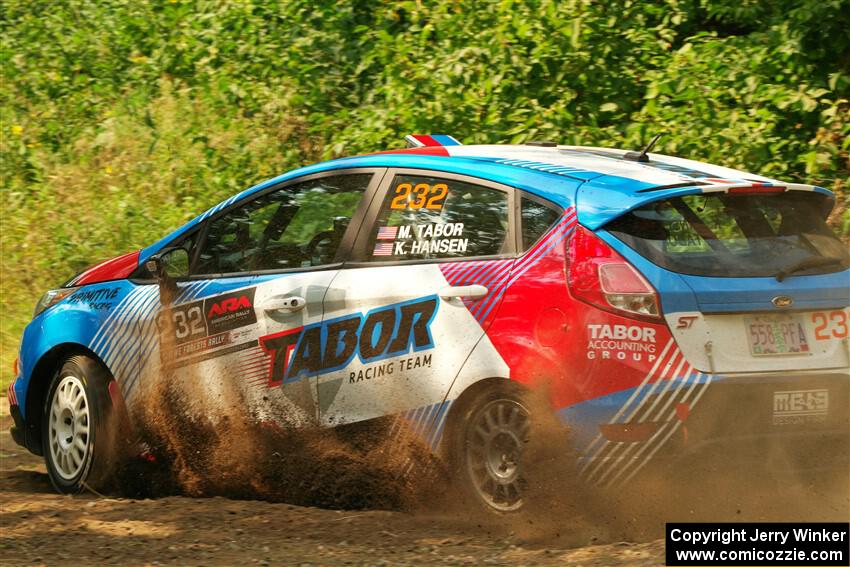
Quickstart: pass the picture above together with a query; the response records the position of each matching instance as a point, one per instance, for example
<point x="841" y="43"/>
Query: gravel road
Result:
<point x="38" y="526"/>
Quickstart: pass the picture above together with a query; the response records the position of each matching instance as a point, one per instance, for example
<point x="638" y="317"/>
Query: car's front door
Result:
<point x="426" y="277"/>
<point x="235" y="332"/>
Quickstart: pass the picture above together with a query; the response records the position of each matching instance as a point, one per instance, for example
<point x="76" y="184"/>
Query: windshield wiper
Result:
<point x="805" y="264"/>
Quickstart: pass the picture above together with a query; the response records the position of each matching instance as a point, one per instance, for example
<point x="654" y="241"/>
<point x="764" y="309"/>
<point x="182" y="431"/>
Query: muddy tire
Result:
<point x="509" y="455"/>
<point x="80" y="427"/>
<point x="487" y="440"/>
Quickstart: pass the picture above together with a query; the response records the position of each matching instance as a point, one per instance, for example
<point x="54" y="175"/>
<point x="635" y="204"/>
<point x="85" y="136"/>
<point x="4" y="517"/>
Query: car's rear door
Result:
<point x="259" y="275"/>
<point x="426" y="277"/>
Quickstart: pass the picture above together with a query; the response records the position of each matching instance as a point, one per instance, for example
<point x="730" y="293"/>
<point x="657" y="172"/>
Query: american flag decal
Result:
<point x="387" y="232"/>
<point x="383" y="249"/>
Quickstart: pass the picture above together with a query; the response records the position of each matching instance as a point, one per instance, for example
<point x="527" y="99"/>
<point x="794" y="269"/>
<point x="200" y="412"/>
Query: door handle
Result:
<point x="288" y="304"/>
<point x="464" y="292"/>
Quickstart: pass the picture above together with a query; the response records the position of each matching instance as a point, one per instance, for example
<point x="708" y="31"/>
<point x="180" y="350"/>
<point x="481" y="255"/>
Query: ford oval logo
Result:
<point x="782" y="301"/>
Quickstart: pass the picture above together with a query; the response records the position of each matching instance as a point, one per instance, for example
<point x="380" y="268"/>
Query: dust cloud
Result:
<point x="201" y="442"/>
<point x="201" y="436"/>
<point x="197" y="447"/>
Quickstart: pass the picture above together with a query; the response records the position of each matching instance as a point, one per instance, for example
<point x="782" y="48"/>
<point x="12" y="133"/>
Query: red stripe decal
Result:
<point x="426" y="140"/>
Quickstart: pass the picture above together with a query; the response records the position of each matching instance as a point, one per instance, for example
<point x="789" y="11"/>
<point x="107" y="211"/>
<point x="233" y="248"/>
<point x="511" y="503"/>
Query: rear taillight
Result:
<point x="596" y="274"/>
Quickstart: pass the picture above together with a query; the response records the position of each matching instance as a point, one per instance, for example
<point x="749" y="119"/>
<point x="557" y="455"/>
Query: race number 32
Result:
<point x="419" y="196"/>
<point x="188" y="323"/>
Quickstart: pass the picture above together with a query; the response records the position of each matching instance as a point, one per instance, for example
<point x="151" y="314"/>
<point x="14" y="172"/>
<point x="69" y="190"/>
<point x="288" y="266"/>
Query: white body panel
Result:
<point x="719" y="343"/>
<point x="218" y="369"/>
<point x="454" y="331"/>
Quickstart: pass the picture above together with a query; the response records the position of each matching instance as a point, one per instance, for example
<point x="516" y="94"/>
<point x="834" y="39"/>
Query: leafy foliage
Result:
<point x="121" y="119"/>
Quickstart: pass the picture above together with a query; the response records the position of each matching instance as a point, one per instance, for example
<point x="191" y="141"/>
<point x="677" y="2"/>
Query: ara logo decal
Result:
<point x="230" y="311"/>
<point x="331" y="345"/>
<point x="229" y="305"/>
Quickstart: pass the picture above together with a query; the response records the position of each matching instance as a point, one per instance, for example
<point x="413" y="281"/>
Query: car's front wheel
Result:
<point x="78" y="429"/>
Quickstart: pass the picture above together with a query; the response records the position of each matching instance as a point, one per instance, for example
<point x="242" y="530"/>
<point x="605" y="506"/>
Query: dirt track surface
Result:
<point x="38" y="526"/>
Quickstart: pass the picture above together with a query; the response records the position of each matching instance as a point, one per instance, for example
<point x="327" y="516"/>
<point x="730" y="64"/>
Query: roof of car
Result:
<point x="600" y="182"/>
<point x="591" y="162"/>
<point x="609" y="182"/>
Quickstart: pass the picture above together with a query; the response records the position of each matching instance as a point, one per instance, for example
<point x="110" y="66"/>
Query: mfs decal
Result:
<point x="331" y="345"/>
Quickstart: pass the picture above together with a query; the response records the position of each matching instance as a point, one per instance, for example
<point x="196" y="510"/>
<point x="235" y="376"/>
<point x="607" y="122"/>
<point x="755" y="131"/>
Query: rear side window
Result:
<point x="735" y="235"/>
<point x="537" y="218"/>
<point x="426" y="217"/>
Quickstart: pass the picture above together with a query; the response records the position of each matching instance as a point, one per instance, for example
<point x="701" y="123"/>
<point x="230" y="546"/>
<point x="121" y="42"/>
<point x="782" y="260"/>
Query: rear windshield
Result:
<point x="736" y="235"/>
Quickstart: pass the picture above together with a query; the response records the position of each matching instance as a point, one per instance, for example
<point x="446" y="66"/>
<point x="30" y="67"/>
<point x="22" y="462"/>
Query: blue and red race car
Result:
<point x="666" y="308"/>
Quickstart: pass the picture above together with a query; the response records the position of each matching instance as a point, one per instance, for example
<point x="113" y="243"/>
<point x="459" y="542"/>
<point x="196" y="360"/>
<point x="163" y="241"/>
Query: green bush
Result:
<point x="122" y="119"/>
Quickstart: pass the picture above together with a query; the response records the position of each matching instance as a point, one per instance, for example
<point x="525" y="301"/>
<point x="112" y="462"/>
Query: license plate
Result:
<point x="776" y="334"/>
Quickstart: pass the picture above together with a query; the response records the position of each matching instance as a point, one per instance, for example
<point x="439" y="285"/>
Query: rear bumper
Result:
<point x="734" y="425"/>
<point x="796" y="422"/>
<point x="797" y="451"/>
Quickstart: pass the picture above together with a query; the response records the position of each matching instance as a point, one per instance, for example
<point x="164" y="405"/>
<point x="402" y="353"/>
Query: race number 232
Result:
<point x="419" y="196"/>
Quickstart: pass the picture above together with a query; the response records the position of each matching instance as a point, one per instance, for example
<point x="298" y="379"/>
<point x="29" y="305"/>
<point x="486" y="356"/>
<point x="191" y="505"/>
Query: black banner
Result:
<point x="758" y="544"/>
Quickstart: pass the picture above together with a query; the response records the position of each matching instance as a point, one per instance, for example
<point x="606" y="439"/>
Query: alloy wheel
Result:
<point x="69" y="427"/>
<point x="495" y="442"/>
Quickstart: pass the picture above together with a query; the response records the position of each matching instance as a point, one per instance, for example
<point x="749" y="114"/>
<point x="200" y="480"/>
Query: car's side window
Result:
<point x="537" y="218"/>
<point x="298" y="226"/>
<point x="425" y="217"/>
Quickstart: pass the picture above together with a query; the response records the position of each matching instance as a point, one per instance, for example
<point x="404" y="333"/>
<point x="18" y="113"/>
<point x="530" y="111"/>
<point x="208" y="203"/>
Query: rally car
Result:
<point x="666" y="308"/>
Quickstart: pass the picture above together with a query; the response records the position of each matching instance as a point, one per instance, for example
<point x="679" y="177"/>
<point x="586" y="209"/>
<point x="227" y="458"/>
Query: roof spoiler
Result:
<point x="733" y="186"/>
<point x="430" y="140"/>
<point x="757" y="188"/>
<point x="598" y="204"/>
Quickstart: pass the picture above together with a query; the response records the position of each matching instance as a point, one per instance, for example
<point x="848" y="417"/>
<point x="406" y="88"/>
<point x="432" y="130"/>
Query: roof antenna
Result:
<point x="641" y="156"/>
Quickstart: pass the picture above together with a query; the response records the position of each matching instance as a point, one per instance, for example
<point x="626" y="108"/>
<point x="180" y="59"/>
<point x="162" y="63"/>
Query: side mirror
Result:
<point x="166" y="267"/>
<point x="171" y="262"/>
<point x="175" y="262"/>
<point x="154" y="266"/>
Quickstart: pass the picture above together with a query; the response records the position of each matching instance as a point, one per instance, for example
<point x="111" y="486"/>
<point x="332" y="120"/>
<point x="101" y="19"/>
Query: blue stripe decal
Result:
<point x="445" y="140"/>
<point x="427" y="422"/>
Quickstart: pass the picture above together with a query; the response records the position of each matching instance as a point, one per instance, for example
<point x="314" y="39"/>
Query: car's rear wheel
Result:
<point x="488" y="443"/>
<point x="494" y="450"/>
<point x="78" y="429"/>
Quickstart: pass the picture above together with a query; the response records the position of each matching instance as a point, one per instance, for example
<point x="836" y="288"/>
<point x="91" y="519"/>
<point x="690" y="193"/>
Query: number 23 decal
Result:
<point x="420" y="196"/>
<point x="833" y="324"/>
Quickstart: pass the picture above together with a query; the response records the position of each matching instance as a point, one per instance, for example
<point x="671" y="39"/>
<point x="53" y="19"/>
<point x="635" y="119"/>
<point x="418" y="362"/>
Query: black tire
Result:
<point x="80" y="427"/>
<point x="528" y="454"/>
